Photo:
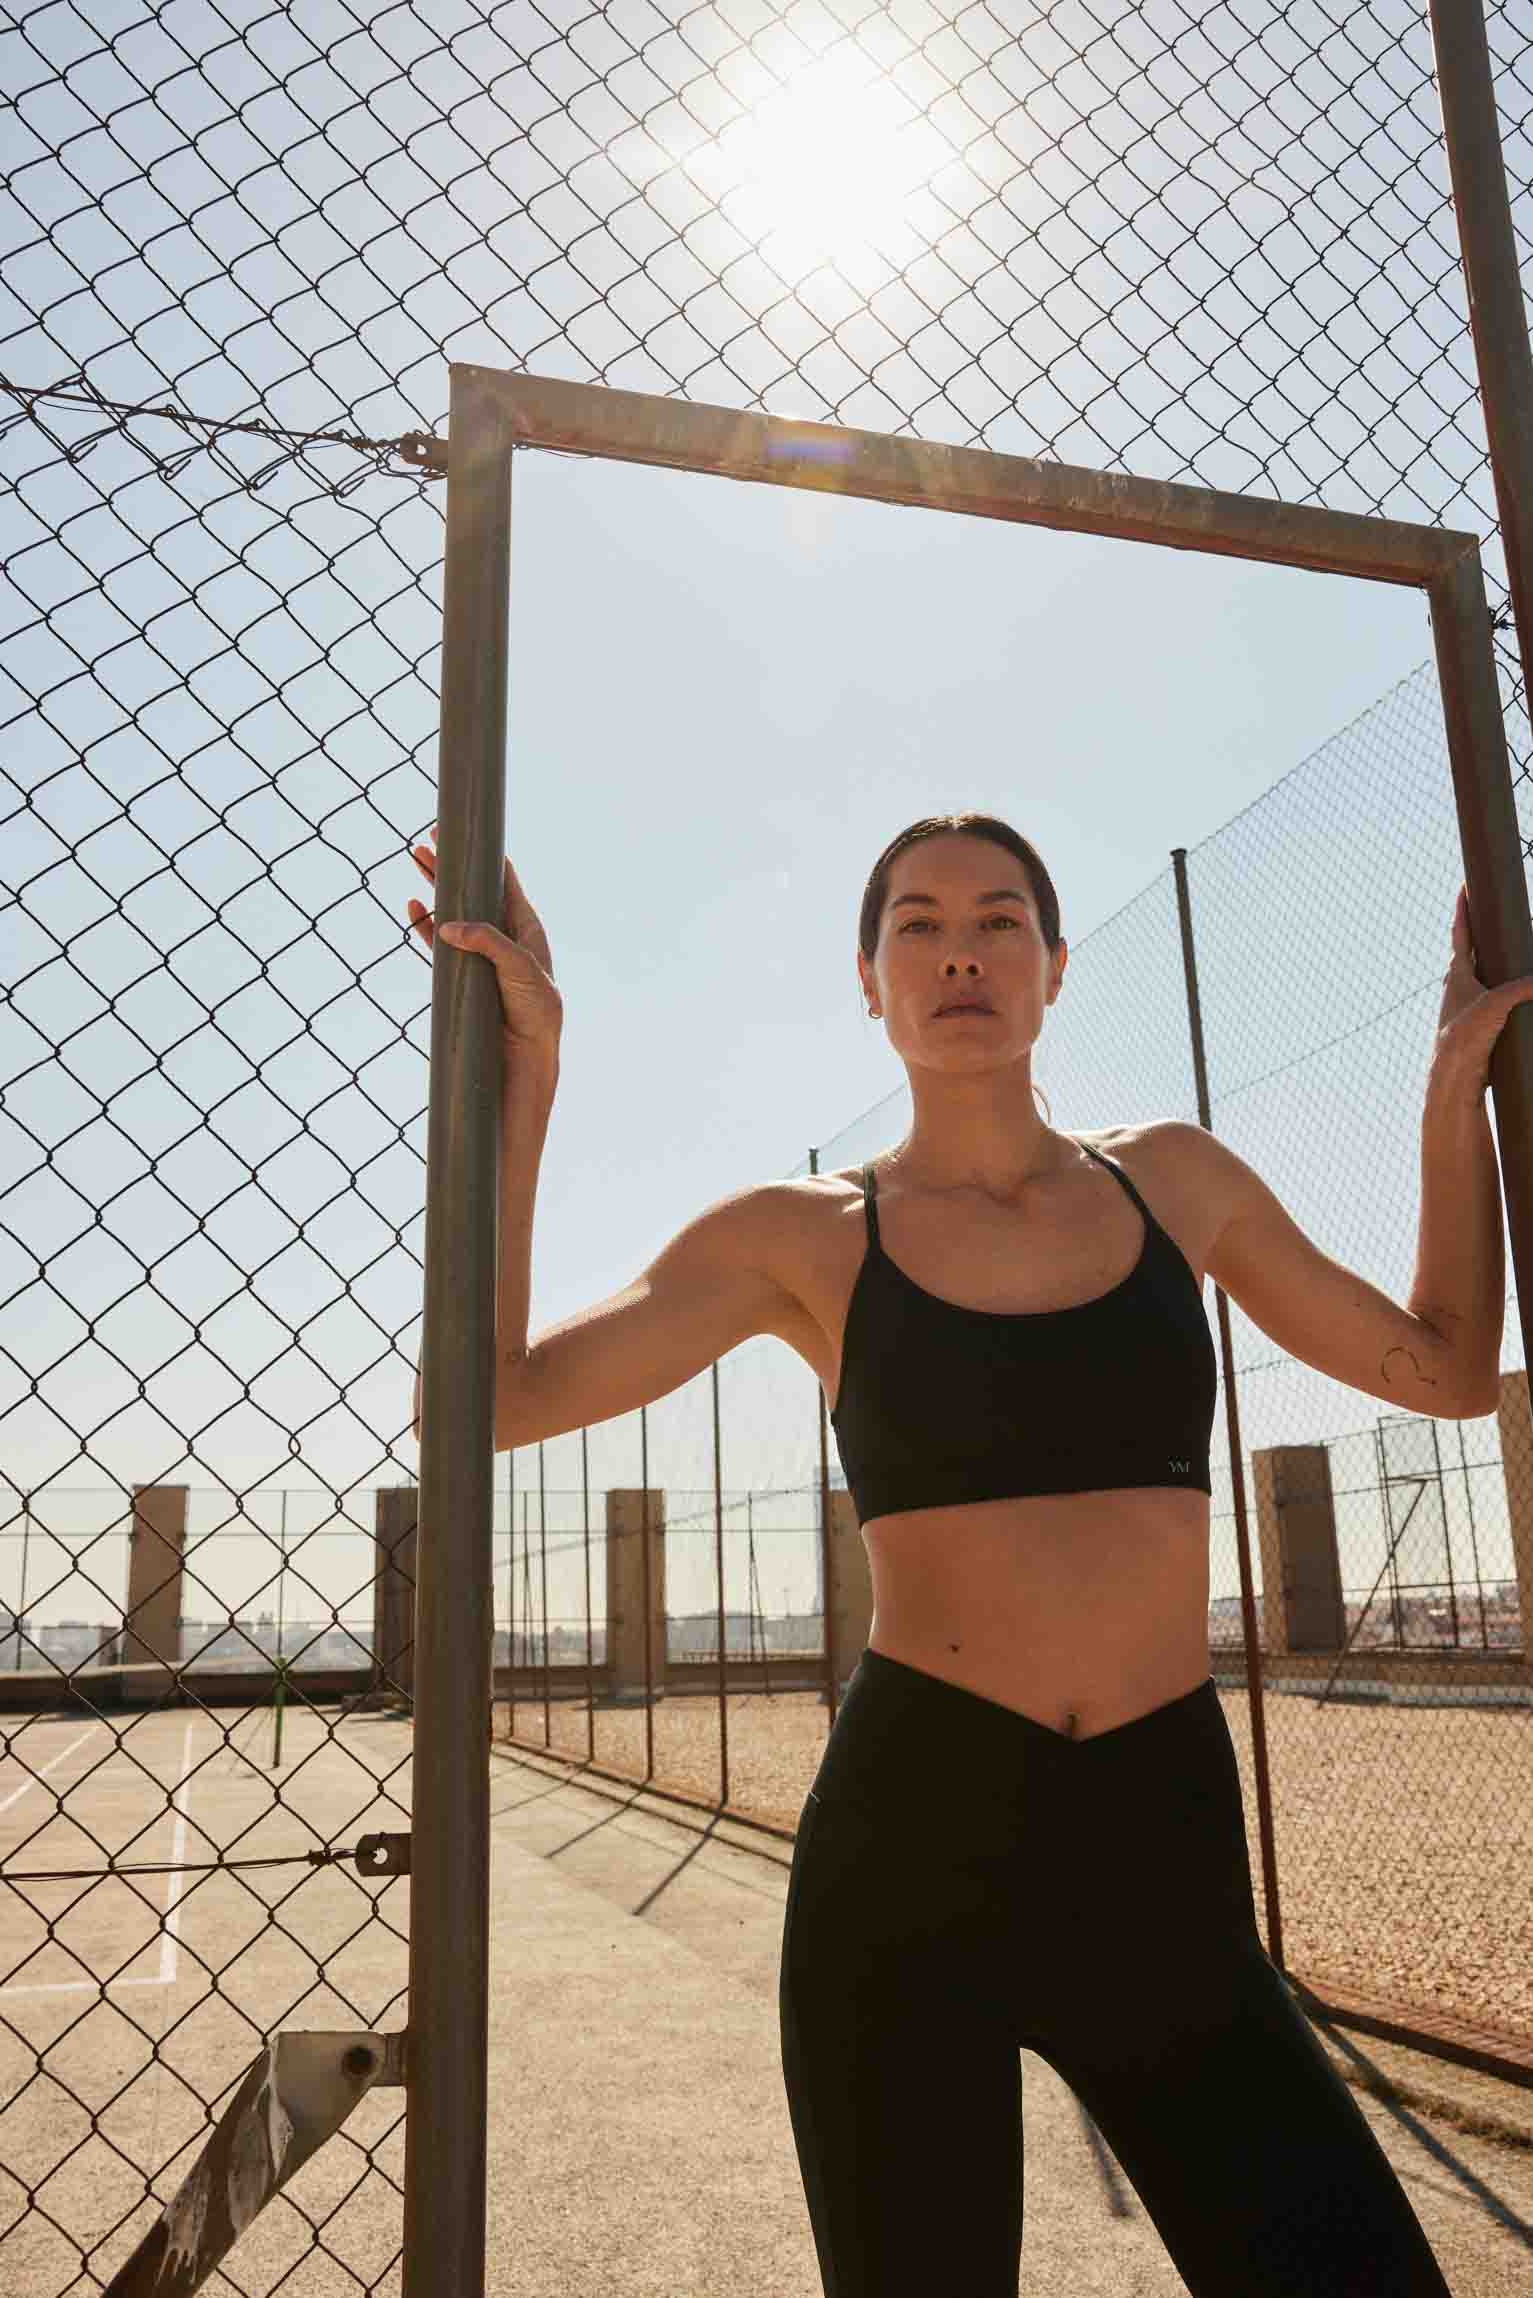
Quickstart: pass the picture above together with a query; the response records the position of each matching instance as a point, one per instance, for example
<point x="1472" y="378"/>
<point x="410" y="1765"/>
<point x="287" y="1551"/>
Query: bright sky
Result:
<point x="772" y="686"/>
<point x="724" y="702"/>
<point x="786" y="681"/>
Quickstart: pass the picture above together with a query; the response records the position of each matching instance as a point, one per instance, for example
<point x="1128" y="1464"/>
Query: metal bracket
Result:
<point x="420" y="448"/>
<point x="298" y="2093"/>
<point x="383" y="1855"/>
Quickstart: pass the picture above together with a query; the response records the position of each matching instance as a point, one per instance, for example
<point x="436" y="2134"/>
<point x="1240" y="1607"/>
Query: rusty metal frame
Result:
<point x="493" y="415"/>
<point x="1497" y="313"/>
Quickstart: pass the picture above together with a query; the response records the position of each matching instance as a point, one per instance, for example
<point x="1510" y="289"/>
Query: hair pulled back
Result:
<point x="1000" y="833"/>
<point x="973" y="826"/>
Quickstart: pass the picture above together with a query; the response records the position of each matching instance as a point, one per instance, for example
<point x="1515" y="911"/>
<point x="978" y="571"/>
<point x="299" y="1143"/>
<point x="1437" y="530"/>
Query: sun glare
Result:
<point x="826" y="166"/>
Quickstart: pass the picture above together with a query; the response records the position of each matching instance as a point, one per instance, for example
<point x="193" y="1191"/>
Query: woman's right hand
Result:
<point x="532" y="1011"/>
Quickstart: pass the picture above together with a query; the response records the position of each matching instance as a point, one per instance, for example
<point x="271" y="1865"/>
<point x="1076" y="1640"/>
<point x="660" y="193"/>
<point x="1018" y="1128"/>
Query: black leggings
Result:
<point x="967" y="1882"/>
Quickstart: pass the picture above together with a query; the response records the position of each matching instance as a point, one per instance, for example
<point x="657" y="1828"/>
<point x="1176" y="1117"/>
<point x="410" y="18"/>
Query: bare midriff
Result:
<point x="1081" y="1610"/>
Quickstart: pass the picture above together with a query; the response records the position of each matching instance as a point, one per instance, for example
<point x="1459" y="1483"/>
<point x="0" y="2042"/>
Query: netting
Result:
<point x="241" y="246"/>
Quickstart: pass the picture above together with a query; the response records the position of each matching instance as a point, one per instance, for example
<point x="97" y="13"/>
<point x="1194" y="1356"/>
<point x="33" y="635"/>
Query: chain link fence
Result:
<point x="1392" y="1554"/>
<point x="240" y="248"/>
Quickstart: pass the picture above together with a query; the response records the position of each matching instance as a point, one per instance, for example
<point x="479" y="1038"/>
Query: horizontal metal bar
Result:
<point x="637" y="427"/>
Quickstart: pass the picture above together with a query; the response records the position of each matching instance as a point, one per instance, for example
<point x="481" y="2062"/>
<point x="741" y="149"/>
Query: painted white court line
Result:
<point x="169" y="1933"/>
<point x="169" y="1936"/>
<point x="32" y="1779"/>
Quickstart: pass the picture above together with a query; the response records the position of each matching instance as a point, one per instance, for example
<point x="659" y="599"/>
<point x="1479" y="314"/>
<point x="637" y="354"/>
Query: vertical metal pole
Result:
<point x="1474" y="1543"/>
<point x="509" y="1522"/>
<point x="649" y="1656"/>
<point x="1237" y="1458"/>
<point x="527" y="1645"/>
<point x="1494" y="879"/>
<point x="548" y="1721"/>
<point x="718" y="1568"/>
<point x="444" y="2186"/>
<point x="758" y="1605"/>
<point x="1493" y="858"/>
<point x="1442" y="1499"/>
<point x="1497" y="317"/>
<point x="828" y="1630"/>
<point x="585" y="1522"/>
<point x="1396" y="1534"/>
<point x="20" y="1621"/>
<point x="511" y="1607"/>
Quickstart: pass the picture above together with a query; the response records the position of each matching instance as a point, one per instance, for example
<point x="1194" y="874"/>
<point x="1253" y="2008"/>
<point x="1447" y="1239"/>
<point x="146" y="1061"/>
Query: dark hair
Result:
<point x="975" y="826"/>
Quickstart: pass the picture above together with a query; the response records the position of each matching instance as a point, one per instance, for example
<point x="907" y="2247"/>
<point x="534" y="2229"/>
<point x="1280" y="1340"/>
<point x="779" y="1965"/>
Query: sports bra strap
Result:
<point x="1117" y="1171"/>
<point x="870" y="1193"/>
<point x="870" y="1206"/>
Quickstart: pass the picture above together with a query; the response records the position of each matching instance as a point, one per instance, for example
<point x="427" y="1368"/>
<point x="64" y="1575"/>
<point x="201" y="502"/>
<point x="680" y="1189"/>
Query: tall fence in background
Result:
<point x="1392" y="1555"/>
<point x="238" y="257"/>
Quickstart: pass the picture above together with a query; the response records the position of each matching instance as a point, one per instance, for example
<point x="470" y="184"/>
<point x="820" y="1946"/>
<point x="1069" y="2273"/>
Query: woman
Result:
<point x="1026" y="1828"/>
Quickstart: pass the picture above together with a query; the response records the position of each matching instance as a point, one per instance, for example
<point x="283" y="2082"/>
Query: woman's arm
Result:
<point x="711" y="1288"/>
<point x="526" y="1104"/>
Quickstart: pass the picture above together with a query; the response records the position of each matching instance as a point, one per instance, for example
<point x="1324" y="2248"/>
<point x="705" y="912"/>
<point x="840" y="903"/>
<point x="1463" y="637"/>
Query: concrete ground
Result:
<point x="640" y="2141"/>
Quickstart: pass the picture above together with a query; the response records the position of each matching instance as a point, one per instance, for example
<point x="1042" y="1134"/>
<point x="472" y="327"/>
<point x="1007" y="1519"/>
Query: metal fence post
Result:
<point x="827" y="1609"/>
<point x="1494" y="869"/>
<point x="1497" y="316"/>
<point x="1265" y="1828"/>
<point x="444" y="2204"/>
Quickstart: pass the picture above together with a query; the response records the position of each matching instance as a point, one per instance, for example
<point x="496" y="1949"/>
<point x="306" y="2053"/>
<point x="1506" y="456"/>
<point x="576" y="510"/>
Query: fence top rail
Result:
<point x="727" y="442"/>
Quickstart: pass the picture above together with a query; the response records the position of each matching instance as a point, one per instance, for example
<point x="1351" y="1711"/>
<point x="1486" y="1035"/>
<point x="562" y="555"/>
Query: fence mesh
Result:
<point x="241" y="245"/>
<point x="1392" y="1554"/>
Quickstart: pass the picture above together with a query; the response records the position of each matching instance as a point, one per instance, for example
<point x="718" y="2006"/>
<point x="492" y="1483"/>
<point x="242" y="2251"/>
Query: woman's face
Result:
<point x="959" y="918"/>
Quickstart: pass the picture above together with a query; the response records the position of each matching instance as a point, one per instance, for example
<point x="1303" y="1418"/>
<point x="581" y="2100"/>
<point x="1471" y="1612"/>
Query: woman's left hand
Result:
<point x="1472" y="1017"/>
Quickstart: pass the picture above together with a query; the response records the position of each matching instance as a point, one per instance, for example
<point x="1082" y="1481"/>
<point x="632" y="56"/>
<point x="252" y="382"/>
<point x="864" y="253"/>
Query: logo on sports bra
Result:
<point x="1179" y="1466"/>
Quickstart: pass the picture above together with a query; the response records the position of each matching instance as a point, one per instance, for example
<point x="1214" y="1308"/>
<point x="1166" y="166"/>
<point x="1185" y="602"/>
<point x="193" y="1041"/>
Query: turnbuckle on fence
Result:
<point x="296" y="2095"/>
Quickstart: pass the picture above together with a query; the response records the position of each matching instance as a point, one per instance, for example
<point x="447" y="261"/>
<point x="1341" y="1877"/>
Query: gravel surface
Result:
<point x="1404" y="1835"/>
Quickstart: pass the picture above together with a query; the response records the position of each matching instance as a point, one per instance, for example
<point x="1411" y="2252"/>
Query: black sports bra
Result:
<point x="940" y="1404"/>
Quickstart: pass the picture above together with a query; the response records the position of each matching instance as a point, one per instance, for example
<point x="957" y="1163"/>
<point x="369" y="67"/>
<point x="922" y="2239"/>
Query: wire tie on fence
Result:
<point x="417" y="448"/>
<point x="368" y="1861"/>
<point x="423" y="451"/>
